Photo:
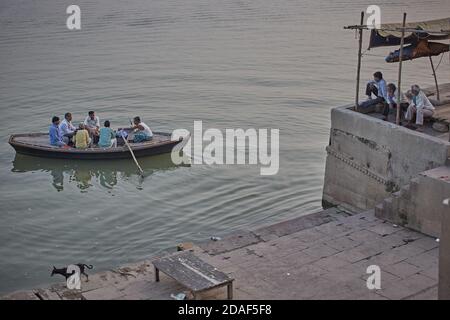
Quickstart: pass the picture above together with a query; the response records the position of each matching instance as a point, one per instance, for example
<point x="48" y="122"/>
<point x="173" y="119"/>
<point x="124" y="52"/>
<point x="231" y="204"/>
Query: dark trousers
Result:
<point x="403" y="107"/>
<point x="371" y="89"/>
<point x="68" y="137"/>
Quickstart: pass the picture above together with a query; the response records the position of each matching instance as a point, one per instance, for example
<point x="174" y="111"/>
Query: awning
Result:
<point x="390" y="34"/>
<point x="423" y="48"/>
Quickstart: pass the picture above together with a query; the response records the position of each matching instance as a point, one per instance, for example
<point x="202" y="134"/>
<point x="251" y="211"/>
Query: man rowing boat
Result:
<point x="143" y="131"/>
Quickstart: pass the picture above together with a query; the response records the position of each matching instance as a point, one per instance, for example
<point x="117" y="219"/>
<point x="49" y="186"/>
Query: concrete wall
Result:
<point x="444" y="256"/>
<point x="418" y="205"/>
<point x="425" y="206"/>
<point x="368" y="158"/>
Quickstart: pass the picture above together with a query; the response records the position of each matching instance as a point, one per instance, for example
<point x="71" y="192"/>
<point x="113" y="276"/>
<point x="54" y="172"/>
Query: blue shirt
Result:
<point x="106" y="134"/>
<point x="382" y="90"/>
<point x="55" y="135"/>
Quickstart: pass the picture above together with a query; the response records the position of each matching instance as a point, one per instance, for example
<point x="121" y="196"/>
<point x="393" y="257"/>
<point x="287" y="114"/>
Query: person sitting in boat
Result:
<point x="143" y="131"/>
<point x="55" y="134"/>
<point x="420" y="107"/>
<point x="392" y="101"/>
<point x="81" y="139"/>
<point x="92" y="124"/>
<point x="376" y="87"/>
<point x="107" y="136"/>
<point x="67" y="128"/>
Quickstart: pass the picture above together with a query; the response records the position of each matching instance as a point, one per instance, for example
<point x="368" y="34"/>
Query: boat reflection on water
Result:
<point x="85" y="173"/>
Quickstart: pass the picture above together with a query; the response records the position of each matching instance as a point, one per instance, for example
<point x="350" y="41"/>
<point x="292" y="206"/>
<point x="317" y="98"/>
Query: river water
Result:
<point x="230" y="63"/>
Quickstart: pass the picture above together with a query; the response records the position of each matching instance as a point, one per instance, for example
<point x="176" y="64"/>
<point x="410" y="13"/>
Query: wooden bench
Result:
<point x="193" y="273"/>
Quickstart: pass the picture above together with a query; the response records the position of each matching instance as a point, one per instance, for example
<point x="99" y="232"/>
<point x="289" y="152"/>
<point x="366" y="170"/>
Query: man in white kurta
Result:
<point x="420" y="106"/>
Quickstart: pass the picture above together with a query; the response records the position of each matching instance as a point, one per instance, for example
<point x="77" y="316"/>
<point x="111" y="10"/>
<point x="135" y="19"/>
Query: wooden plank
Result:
<point x="191" y="271"/>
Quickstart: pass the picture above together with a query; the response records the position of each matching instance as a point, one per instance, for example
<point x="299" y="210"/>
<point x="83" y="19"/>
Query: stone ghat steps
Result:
<point x="395" y="208"/>
<point x="417" y="204"/>
<point x="323" y="255"/>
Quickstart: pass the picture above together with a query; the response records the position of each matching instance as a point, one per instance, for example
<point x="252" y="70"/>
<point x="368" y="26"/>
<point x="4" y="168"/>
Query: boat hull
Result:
<point x="139" y="150"/>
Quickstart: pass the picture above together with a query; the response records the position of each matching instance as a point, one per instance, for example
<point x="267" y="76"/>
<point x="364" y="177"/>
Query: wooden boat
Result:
<point x="37" y="144"/>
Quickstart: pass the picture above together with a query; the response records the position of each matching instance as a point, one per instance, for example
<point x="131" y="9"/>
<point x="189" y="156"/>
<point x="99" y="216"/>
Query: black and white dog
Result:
<point x="63" y="271"/>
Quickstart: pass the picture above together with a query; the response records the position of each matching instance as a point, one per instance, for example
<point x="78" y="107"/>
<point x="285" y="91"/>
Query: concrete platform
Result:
<point x="442" y="112"/>
<point x="319" y="256"/>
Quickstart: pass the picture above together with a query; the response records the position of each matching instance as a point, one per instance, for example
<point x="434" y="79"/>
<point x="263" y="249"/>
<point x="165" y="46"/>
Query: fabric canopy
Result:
<point x="390" y="34"/>
<point x="422" y="49"/>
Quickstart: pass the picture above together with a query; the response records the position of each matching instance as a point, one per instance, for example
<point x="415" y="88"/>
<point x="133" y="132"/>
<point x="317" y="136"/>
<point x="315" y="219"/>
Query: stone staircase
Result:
<point x="418" y="205"/>
<point x="396" y="207"/>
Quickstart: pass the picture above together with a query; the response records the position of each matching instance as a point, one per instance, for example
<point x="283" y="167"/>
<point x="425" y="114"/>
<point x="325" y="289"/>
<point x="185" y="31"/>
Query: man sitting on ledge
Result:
<point x="392" y="101"/>
<point x="376" y="87"/>
<point x="420" y="107"/>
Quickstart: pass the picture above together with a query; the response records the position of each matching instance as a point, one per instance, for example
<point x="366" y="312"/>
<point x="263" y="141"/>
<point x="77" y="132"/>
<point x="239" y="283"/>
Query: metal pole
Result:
<point x="435" y="79"/>
<point x="402" y="42"/>
<point x="358" y="72"/>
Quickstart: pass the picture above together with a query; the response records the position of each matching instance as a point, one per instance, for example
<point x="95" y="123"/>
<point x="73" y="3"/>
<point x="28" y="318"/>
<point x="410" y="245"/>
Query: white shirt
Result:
<point x="92" y="123"/>
<point x="66" y="127"/>
<point x="422" y="101"/>
<point x="147" y="129"/>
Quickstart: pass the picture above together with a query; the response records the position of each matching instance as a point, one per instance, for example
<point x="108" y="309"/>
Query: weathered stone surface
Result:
<point x="444" y="255"/>
<point x="47" y="294"/>
<point x="105" y="293"/>
<point x="403" y="269"/>
<point x="323" y="262"/>
<point x="294" y="225"/>
<point x="234" y="241"/>
<point x="369" y="158"/>
<point x="20" y="295"/>
<point x="427" y="294"/>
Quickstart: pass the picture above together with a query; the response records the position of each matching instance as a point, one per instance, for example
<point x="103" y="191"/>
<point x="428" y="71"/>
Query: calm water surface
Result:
<point x="231" y="63"/>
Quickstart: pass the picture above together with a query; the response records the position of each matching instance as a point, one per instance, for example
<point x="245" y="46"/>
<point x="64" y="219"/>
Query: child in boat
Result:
<point x="107" y="136"/>
<point x="81" y="139"/>
<point x="143" y="133"/>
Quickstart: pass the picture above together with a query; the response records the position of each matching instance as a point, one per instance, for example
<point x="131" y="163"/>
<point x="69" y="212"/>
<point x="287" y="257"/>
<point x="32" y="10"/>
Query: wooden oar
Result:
<point x="134" y="157"/>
